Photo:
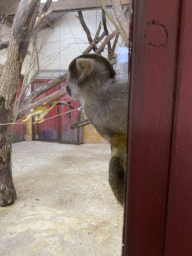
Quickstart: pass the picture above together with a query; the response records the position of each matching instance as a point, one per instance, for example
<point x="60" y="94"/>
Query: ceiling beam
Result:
<point x="9" y="7"/>
<point x="74" y="5"/>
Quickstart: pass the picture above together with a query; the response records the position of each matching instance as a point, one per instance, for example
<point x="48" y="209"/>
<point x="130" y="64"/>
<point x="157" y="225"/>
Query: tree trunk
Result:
<point x="8" y="89"/>
<point x="9" y="82"/>
<point x="7" y="190"/>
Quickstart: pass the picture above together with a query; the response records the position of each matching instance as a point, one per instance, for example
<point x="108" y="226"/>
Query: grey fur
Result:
<point x="105" y="105"/>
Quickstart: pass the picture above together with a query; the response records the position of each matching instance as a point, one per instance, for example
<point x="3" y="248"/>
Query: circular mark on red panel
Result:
<point x="156" y="34"/>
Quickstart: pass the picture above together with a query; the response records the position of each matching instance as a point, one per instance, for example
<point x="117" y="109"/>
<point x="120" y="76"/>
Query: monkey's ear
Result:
<point x="85" y="67"/>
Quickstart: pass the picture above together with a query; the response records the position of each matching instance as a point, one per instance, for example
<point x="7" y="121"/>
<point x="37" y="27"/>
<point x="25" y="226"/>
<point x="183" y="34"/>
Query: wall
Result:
<point x="55" y="47"/>
<point x="59" y="45"/>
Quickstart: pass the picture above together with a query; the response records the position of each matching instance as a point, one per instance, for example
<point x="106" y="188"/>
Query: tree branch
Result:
<point x="54" y="96"/>
<point x="45" y="7"/>
<point x="101" y="37"/>
<point x="41" y="21"/>
<point x="10" y="75"/>
<point x="1" y="68"/>
<point x="4" y="44"/>
<point x="41" y="16"/>
<point x="29" y="34"/>
<point x="114" y="23"/>
<point x="86" y="29"/>
<point x="95" y="41"/>
<point x="21" y="22"/>
<point x="115" y="43"/>
<point x="110" y="54"/>
<point x="121" y="17"/>
<point x="9" y="83"/>
<point x="107" y="39"/>
<point x="44" y="88"/>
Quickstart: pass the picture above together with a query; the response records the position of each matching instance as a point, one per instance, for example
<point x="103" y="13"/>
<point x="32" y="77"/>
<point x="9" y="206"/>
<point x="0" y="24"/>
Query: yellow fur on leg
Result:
<point x="119" y="148"/>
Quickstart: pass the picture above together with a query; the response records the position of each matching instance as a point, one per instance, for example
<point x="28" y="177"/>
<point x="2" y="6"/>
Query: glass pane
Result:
<point x="70" y="172"/>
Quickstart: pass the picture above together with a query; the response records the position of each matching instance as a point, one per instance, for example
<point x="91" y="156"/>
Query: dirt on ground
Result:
<point x="64" y="203"/>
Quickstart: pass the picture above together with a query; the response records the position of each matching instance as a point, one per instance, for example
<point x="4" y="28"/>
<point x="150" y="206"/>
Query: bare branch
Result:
<point x="107" y="39"/>
<point x="41" y="21"/>
<point x="9" y="83"/>
<point x="54" y="96"/>
<point x="45" y="7"/>
<point x="10" y="76"/>
<point x="37" y="26"/>
<point x="22" y="20"/>
<point x="98" y="31"/>
<point x="86" y="29"/>
<point x="115" y="43"/>
<point x="121" y="17"/>
<point x="90" y="47"/>
<point x="1" y="68"/>
<point x="101" y="37"/>
<point x="29" y="33"/>
<point x="95" y="41"/>
<point x="107" y="33"/>
<point x="46" y="87"/>
<point x="4" y="44"/>
<point x="114" y="23"/>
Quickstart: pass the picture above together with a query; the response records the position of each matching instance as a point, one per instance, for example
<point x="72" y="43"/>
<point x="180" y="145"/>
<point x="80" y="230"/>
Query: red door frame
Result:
<point x="158" y="207"/>
<point x="178" y="240"/>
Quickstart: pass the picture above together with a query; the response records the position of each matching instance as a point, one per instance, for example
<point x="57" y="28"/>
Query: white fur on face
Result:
<point x="74" y="90"/>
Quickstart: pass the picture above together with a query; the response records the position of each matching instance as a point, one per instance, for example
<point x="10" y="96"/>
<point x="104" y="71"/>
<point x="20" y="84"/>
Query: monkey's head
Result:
<point x="86" y="71"/>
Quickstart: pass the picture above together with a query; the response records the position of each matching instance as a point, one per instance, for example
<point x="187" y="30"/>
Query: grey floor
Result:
<point x="64" y="203"/>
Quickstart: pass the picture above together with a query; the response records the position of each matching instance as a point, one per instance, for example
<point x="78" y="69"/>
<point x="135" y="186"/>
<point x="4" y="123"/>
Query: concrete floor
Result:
<point x="64" y="203"/>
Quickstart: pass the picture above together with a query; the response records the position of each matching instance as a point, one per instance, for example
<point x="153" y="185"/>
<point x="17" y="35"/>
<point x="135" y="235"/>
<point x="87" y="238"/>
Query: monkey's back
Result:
<point x="107" y="109"/>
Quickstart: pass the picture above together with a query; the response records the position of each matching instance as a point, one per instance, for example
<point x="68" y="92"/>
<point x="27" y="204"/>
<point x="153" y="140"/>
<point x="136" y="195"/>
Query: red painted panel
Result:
<point x="67" y="135"/>
<point x="48" y="130"/>
<point x="57" y="124"/>
<point x="179" y="222"/>
<point x="154" y="53"/>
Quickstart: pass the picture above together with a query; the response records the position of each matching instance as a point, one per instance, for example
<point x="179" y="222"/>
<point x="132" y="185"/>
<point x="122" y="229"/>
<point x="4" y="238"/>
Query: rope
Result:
<point x="62" y="114"/>
<point x="48" y="117"/>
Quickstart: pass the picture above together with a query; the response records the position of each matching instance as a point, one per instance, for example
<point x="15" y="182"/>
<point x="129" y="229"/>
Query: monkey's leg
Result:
<point x="117" y="178"/>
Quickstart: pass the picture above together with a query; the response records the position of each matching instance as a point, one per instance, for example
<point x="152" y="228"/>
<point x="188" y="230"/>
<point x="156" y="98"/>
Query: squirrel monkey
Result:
<point x="92" y="78"/>
<point x="40" y="112"/>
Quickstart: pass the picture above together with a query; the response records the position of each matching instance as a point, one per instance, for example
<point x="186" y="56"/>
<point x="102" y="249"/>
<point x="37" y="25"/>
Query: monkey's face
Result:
<point x="72" y="87"/>
<point x="86" y="71"/>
